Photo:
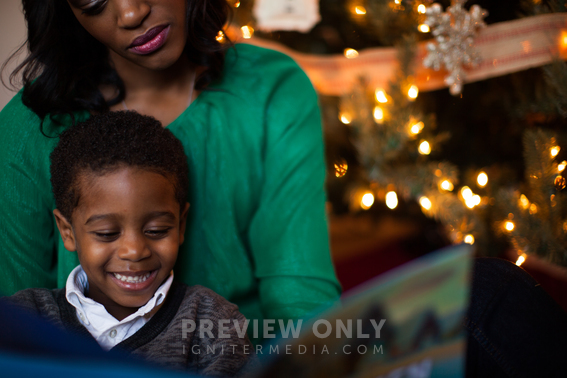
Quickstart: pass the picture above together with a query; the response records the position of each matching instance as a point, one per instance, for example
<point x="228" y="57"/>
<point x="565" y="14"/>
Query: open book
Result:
<point x="407" y="322"/>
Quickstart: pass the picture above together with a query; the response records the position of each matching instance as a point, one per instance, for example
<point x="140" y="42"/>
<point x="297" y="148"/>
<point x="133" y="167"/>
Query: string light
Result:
<point x="466" y="192"/>
<point x="359" y="9"/>
<point x="554" y="151"/>
<point x="521" y="259"/>
<point x="469" y="239"/>
<point x="471" y="202"/>
<point x="421" y="9"/>
<point x="367" y="201"/>
<point x="381" y="96"/>
<point x="524" y="202"/>
<point x="345" y="118"/>
<point x="247" y="32"/>
<point x="564" y="39"/>
<point x="237" y="4"/>
<point x="561" y="166"/>
<point x="447" y="185"/>
<point x="509" y="225"/>
<point x="378" y="114"/>
<point x="425" y="203"/>
<point x="341" y="168"/>
<point x="220" y="36"/>
<point x="476" y="199"/>
<point x="350" y="53"/>
<point x="413" y="91"/>
<point x="424" y="148"/>
<point x="391" y="200"/>
<point x="559" y="182"/>
<point x="533" y="209"/>
<point x="424" y="28"/>
<point x="482" y="179"/>
<point x="416" y="128"/>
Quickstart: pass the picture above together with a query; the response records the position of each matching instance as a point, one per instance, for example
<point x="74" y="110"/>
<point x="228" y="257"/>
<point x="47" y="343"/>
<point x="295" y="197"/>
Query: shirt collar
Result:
<point x="76" y="285"/>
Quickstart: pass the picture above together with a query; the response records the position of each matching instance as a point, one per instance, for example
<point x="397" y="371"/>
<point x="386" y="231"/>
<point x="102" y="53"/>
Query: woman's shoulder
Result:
<point x="254" y="65"/>
<point x="15" y="113"/>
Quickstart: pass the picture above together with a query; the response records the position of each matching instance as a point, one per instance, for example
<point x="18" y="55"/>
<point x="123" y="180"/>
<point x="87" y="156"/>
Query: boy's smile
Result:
<point x="126" y="229"/>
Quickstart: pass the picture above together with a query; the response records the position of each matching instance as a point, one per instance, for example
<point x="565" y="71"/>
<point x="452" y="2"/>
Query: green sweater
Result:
<point x="257" y="233"/>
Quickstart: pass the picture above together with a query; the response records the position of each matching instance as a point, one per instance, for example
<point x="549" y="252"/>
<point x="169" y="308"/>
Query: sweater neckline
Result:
<point x="147" y="333"/>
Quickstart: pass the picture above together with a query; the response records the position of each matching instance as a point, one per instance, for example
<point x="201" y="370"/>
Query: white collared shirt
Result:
<point x="105" y="328"/>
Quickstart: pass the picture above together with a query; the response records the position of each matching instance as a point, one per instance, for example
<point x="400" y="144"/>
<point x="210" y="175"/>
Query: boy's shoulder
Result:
<point x="44" y="302"/>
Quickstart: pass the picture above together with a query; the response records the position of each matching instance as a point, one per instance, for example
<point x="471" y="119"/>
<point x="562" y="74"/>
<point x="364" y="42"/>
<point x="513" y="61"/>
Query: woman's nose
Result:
<point x="133" y="248"/>
<point x="131" y="13"/>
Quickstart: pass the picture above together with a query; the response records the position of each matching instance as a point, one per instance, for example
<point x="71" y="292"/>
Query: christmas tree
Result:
<point x="456" y="128"/>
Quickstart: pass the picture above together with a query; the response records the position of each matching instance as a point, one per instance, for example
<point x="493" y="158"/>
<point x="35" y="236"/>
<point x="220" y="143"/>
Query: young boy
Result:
<point x="120" y="182"/>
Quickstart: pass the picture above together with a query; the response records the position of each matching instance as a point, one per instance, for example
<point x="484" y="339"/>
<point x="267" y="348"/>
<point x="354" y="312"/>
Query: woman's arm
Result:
<point x="27" y="238"/>
<point x="288" y="234"/>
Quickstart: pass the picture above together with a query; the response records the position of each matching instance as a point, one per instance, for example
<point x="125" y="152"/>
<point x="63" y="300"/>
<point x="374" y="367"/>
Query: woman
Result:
<point x="249" y="122"/>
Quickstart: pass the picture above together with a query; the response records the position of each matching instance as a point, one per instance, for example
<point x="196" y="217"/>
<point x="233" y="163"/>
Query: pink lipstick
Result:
<point x="150" y="41"/>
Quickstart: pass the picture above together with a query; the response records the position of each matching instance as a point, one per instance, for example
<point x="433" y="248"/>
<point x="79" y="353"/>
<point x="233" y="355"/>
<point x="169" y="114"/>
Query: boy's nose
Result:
<point x="134" y="248"/>
<point x="131" y="13"/>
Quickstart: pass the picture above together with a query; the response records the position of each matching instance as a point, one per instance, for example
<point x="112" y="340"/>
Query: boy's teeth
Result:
<point x="132" y="279"/>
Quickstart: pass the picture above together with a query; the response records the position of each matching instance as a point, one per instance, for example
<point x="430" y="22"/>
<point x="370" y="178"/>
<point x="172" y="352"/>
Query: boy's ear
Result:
<point x="66" y="231"/>
<point x="183" y="223"/>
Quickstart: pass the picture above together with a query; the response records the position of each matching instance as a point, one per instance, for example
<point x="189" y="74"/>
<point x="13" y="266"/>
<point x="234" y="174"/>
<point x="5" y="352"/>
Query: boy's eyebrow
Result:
<point x="97" y="217"/>
<point x="155" y="214"/>
<point x="159" y="214"/>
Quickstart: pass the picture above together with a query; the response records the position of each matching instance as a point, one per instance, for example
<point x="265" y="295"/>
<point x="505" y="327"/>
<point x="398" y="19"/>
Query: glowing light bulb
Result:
<point x="424" y="28"/>
<point x="378" y="114"/>
<point x="424" y="148"/>
<point x="381" y="96"/>
<point x="447" y="185"/>
<point x="341" y="168"/>
<point x="359" y="9"/>
<point x="350" y="53"/>
<point x="425" y="203"/>
<point x="521" y="259"/>
<point x="413" y="92"/>
<point x="554" y="151"/>
<point x="237" y="4"/>
<point x="470" y="202"/>
<point x="247" y="32"/>
<point x="509" y="225"/>
<point x="367" y="201"/>
<point x="466" y="192"/>
<point x="345" y="118"/>
<point x="416" y="128"/>
<point x="421" y="9"/>
<point x="524" y="202"/>
<point x="391" y="200"/>
<point x="476" y="199"/>
<point x="561" y="166"/>
<point x="469" y="239"/>
<point x="533" y="209"/>
<point x="482" y="179"/>
<point x="563" y="39"/>
<point x="220" y="36"/>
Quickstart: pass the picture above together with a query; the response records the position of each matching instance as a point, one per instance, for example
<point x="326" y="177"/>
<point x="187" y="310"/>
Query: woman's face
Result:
<point x="149" y="33"/>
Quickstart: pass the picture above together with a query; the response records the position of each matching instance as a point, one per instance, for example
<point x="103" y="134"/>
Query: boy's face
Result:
<point x="126" y="229"/>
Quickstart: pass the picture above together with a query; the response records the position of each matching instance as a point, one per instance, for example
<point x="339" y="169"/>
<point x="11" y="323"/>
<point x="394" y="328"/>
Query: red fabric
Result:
<point x="369" y="264"/>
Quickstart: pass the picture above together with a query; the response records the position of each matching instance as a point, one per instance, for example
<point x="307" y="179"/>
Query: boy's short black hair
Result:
<point x="109" y="141"/>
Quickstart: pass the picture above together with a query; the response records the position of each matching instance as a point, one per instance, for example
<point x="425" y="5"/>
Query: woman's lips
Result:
<point x="152" y="40"/>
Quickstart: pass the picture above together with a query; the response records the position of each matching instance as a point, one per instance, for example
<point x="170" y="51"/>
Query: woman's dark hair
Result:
<point x="66" y="65"/>
<point x="109" y="141"/>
